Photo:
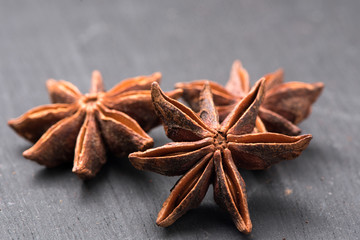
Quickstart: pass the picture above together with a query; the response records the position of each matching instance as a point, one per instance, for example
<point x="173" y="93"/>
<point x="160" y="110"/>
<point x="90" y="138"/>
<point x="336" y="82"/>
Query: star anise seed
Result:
<point x="93" y="124"/>
<point x="284" y="105"/>
<point x="206" y="152"/>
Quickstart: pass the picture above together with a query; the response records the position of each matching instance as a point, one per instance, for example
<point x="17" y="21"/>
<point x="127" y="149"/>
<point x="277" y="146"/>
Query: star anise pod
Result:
<point x="208" y="152"/>
<point x="93" y="124"/>
<point x="285" y="104"/>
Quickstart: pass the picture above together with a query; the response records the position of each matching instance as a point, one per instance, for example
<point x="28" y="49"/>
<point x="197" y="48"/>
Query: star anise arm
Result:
<point x="208" y="113"/>
<point x="136" y="83"/>
<point x="37" y="121"/>
<point x="90" y="152"/>
<point x="138" y="105"/>
<point x="274" y="79"/>
<point x="57" y="145"/>
<point x="242" y="118"/>
<point x="180" y="122"/>
<point x="277" y="123"/>
<point x="293" y="100"/>
<point x="173" y="158"/>
<point x="97" y="84"/>
<point x="239" y="83"/>
<point x="62" y="91"/>
<point x="229" y="190"/>
<point x="261" y="150"/>
<point x="121" y="133"/>
<point x="191" y="93"/>
<point x="188" y="192"/>
<point x="273" y="122"/>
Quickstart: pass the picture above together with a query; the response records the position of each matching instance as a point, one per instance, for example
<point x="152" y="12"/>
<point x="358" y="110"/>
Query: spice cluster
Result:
<point x="224" y="130"/>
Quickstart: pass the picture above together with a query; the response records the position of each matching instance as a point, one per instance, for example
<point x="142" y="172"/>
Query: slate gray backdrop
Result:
<point x="185" y="40"/>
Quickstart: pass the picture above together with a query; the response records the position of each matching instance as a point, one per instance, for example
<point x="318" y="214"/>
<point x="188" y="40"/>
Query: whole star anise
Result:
<point x="208" y="152"/>
<point x="285" y="104"/>
<point x="93" y="124"/>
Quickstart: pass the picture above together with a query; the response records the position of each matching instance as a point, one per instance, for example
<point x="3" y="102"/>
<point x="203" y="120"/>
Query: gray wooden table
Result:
<point x="316" y="196"/>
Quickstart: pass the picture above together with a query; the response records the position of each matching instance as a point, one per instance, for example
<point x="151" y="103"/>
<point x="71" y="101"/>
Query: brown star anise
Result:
<point x="284" y="105"/>
<point x="92" y="124"/>
<point x="208" y="152"/>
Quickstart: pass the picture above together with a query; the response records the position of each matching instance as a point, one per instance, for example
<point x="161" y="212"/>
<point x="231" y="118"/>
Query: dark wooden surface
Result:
<point x="316" y="196"/>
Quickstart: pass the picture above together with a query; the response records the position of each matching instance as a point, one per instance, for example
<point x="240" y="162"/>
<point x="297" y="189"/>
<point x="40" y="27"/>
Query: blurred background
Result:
<point x="313" y="197"/>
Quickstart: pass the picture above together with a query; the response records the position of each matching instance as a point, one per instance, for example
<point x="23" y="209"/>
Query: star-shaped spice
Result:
<point x="285" y="104"/>
<point x="207" y="152"/>
<point x="84" y="128"/>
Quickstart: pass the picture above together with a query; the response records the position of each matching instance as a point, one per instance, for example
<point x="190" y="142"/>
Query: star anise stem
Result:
<point x="97" y="84"/>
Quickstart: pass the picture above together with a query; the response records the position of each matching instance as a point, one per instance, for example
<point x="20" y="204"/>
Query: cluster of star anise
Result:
<point x="226" y="129"/>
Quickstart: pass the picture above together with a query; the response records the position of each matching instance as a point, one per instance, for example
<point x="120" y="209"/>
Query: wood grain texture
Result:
<point x="316" y="196"/>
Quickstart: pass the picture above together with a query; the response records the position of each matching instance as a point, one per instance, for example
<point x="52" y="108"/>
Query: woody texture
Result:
<point x="207" y="152"/>
<point x="285" y="105"/>
<point x="84" y="128"/>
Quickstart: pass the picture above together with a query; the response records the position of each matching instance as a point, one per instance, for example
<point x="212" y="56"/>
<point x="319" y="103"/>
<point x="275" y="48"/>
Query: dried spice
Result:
<point x="206" y="152"/>
<point x="284" y="105"/>
<point x="93" y="124"/>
